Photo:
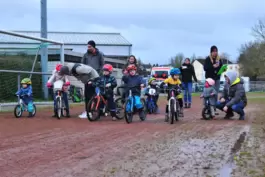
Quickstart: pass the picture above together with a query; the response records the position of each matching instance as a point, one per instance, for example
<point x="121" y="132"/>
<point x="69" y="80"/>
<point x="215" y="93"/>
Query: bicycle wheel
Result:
<point x="93" y="109"/>
<point x="119" y="108"/>
<point x="18" y="111"/>
<point x="206" y="113"/>
<point x="172" y="111"/>
<point x="34" y="110"/>
<point x="127" y="111"/>
<point x="177" y="111"/>
<point x="58" y="108"/>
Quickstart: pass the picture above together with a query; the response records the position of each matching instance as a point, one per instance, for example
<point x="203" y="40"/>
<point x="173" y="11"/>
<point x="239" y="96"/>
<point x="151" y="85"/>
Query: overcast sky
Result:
<point x="157" y="29"/>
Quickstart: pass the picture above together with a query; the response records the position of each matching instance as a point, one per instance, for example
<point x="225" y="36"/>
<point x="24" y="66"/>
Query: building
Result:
<point x="115" y="47"/>
<point x="199" y="70"/>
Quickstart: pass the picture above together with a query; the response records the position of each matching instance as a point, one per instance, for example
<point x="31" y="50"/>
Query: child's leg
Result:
<point x="139" y="106"/>
<point x="30" y="108"/>
<point x="66" y="103"/>
<point x="111" y="106"/>
<point x="54" y="104"/>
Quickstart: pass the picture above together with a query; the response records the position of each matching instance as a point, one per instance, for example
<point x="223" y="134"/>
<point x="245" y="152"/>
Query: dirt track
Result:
<point x="45" y="146"/>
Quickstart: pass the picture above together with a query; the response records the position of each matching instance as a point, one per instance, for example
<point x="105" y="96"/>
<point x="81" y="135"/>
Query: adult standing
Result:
<point x="212" y="65"/>
<point x="187" y="72"/>
<point x="131" y="61"/>
<point x="94" y="58"/>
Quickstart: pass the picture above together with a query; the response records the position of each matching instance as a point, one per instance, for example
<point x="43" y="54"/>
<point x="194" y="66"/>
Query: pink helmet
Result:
<point x="210" y="81"/>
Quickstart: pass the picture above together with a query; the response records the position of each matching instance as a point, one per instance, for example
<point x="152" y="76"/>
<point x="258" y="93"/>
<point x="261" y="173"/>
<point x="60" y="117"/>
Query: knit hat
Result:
<point x="214" y="48"/>
<point x="92" y="43"/>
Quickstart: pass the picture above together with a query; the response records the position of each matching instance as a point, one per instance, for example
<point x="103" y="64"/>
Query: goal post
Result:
<point x="20" y="44"/>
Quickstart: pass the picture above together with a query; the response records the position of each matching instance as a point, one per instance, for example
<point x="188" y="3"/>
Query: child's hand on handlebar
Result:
<point x="89" y="83"/>
<point x="67" y="83"/>
<point x="142" y="85"/>
<point x="49" y="84"/>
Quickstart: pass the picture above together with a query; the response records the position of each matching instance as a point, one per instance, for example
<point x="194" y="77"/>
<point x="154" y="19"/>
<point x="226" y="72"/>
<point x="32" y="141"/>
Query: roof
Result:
<point x="202" y="61"/>
<point x="75" y="38"/>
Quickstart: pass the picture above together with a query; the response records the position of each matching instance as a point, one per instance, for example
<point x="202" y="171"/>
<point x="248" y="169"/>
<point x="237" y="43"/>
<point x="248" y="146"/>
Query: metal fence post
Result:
<point x="62" y="54"/>
<point x="18" y="82"/>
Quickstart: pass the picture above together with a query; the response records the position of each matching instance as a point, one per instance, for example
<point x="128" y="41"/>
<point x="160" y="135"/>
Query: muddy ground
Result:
<point x="45" y="146"/>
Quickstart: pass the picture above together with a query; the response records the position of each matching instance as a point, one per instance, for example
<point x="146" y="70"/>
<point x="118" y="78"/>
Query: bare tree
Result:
<point x="177" y="60"/>
<point x="259" y="30"/>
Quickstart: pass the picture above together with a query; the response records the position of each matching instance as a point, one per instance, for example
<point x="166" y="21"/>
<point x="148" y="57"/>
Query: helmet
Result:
<point x="64" y="70"/>
<point x="175" y="71"/>
<point x="108" y="67"/>
<point x="26" y="81"/>
<point x="151" y="80"/>
<point x="58" y="67"/>
<point x="131" y="67"/>
<point x="210" y="81"/>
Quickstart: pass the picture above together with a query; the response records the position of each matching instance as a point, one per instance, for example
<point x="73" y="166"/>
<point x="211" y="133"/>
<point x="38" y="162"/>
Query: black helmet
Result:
<point x="64" y="70"/>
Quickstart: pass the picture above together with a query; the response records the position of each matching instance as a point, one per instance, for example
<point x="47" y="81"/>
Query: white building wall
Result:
<point x="107" y="50"/>
<point x="199" y="71"/>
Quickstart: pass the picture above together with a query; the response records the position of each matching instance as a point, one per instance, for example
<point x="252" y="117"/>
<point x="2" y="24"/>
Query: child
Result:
<point x="174" y="81"/>
<point x="233" y="97"/>
<point x="134" y="80"/>
<point x="152" y="84"/>
<point x="209" y="93"/>
<point x="26" y="91"/>
<point x="107" y="83"/>
<point x="58" y="74"/>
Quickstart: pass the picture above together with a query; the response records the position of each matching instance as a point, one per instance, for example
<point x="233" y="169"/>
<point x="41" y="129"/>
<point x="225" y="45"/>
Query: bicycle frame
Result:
<point x="132" y="100"/>
<point x="172" y="93"/>
<point x="99" y="97"/>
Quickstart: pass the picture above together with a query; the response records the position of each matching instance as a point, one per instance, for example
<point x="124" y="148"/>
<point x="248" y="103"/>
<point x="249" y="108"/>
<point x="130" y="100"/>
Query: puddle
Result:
<point x="227" y="169"/>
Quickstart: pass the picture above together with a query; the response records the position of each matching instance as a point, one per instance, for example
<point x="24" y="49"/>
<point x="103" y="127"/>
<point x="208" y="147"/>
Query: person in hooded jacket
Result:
<point x="85" y="74"/>
<point x="187" y="73"/>
<point x="234" y="97"/>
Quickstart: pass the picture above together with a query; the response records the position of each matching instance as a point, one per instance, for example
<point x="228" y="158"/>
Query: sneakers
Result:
<point x="229" y="115"/>
<point x="30" y="115"/>
<point x="186" y="105"/>
<point x="242" y="117"/>
<point x="83" y="115"/>
<point x="114" y="118"/>
<point x="189" y="105"/>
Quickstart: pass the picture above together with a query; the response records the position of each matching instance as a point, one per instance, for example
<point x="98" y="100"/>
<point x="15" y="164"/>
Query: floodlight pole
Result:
<point x="44" y="49"/>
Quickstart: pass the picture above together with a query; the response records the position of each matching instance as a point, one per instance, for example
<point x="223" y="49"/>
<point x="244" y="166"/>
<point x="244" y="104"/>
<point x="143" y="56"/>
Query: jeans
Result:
<point x="187" y="92"/>
<point x="217" y="87"/>
<point x="111" y="104"/>
<point x="238" y="108"/>
<point x="65" y="100"/>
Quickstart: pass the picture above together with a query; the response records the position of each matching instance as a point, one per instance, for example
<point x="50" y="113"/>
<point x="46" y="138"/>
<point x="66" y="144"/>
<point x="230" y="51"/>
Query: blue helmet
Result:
<point x="175" y="71"/>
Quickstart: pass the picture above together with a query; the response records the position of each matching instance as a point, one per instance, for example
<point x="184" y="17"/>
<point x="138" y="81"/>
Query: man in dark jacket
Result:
<point x="233" y="97"/>
<point x="187" y="72"/>
<point x="94" y="58"/>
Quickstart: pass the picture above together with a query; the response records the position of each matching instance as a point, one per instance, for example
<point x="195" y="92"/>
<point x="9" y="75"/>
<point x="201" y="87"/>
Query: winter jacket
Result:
<point x="82" y="72"/>
<point x="95" y="60"/>
<point x="210" y="71"/>
<point x="207" y="94"/>
<point x="56" y="76"/>
<point x="27" y="92"/>
<point x="131" y="81"/>
<point x="187" y="72"/>
<point x="234" y="92"/>
<point x="103" y="81"/>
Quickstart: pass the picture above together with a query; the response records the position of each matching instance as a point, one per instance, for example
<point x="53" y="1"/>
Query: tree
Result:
<point x="177" y="60"/>
<point x="259" y="30"/>
<point x="252" y="59"/>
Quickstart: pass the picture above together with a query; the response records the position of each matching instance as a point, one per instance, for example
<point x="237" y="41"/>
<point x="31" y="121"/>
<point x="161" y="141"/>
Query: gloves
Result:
<point x="49" y="84"/>
<point x="108" y="85"/>
<point x="67" y="83"/>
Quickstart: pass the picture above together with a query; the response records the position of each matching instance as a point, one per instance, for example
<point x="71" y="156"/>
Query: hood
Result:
<point x="232" y="76"/>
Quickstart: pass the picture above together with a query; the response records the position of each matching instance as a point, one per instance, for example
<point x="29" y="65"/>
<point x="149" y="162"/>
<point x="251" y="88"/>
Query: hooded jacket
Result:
<point x="210" y="71"/>
<point x="95" y="60"/>
<point x="82" y="72"/>
<point x="235" y="91"/>
<point x="187" y="72"/>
